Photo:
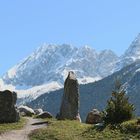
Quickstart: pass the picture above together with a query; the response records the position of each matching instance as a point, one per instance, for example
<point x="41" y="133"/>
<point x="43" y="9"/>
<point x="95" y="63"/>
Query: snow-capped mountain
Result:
<point x="51" y="63"/>
<point x="46" y="69"/>
<point x="131" y="55"/>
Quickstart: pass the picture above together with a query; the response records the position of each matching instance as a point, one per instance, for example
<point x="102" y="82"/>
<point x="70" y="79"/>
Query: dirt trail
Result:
<point x="23" y="133"/>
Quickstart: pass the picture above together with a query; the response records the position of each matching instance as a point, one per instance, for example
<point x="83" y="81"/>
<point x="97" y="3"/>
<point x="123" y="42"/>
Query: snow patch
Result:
<point x="6" y="87"/>
<point x="87" y="80"/>
<point x="36" y="91"/>
<point x="138" y="70"/>
<point x="12" y="72"/>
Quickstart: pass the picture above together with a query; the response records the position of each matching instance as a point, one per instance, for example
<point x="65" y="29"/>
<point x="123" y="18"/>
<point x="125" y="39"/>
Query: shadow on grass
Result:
<point x="94" y="128"/>
<point x="40" y="123"/>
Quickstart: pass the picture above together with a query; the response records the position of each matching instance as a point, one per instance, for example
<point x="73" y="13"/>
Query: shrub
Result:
<point x="130" y="126"/>
<point x="118" y="108"/>
<point x="138" y="121"/>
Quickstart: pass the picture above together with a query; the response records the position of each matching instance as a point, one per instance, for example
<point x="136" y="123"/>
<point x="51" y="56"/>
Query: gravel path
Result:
<point x="22" y="134"/>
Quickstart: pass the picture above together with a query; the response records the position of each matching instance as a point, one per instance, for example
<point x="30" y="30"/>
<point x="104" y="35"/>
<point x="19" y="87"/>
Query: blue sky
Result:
<point x="102" y="24"/>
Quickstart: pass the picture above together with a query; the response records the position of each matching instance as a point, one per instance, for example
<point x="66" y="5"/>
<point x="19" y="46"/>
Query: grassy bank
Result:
<point x="73" y="130"/>
<point x="12" y="126"/>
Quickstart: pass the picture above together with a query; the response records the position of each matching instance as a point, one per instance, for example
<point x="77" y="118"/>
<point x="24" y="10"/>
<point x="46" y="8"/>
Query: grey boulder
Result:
<point x="93" y="117"/>
<point x="38" y="111"/>
<point x="45" y="115"/>
<point x="26" y="111"/>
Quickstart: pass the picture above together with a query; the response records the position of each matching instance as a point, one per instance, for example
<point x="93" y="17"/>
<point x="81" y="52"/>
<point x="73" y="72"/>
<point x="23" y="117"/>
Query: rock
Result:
<point x="138" y="121"/>
<point x="45" y="115"/>
<point x="26" y="111"/>
<point x="78" y="118"/>
<point x="70" y="102"/>
<point x="38" y="111"/>
<point x="93" y="117"/>
<point x="8" y="111"/>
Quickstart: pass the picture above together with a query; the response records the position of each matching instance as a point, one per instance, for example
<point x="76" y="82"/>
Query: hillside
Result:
<point x="73" y="130"/>
<point x="95" y="95"/>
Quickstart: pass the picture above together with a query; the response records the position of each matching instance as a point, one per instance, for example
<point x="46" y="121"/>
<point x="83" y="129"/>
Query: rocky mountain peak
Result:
<point x="134" y="49"/>
<point x="131" y="55"/>
<point x="52" y="62"/>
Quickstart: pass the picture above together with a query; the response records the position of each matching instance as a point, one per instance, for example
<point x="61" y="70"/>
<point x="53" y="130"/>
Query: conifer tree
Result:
<point x="118" y="108"/>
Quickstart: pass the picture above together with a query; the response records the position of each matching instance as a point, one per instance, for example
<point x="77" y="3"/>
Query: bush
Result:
<point x="118" y="107"/>
<point x="138" y="121"/>
<point x="130" y="126"/>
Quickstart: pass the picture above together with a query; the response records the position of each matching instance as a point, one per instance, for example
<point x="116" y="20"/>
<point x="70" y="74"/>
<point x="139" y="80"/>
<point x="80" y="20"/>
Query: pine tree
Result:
<point x="118" y="108"/>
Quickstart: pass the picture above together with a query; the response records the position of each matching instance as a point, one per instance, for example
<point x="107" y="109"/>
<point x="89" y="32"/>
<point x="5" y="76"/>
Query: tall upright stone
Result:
<point x="8" y="111"/>
<point x="70" y="102"/>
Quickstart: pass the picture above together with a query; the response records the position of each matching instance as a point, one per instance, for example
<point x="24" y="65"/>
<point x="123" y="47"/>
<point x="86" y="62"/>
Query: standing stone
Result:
<point x="70" y="102"/>
<point x="8" y="111"/>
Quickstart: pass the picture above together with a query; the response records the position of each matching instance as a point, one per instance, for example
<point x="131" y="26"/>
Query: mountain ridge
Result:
<point x="52" y="63"/>
<point x="131" y="55"/>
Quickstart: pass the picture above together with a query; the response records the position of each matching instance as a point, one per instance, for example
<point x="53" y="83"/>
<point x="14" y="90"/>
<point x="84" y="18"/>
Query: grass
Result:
<point x="12" y="126"/>
<point x="131" y="126"/>
<point x="73" y="130"/>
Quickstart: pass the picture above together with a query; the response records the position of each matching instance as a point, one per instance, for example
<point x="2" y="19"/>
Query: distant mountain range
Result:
<point x="45" y="70"/>
<point x="51" y="63"/>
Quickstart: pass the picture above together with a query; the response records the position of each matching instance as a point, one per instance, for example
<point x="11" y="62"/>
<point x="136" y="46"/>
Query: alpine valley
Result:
<point x="39" y="78"/>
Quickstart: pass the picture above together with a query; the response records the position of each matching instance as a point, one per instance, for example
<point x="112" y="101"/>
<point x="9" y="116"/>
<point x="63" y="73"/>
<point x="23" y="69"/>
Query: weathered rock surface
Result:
<point x="70" y="102"/>
<point x="45" y="115"/>
<point x="93" y="117"/>
<point x="8" y="111"/>
<point x="38" y="111"/>
<point x="26" y="111"/>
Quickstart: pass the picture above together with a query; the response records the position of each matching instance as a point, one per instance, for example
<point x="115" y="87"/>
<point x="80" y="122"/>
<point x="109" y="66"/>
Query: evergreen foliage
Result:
<point x="118" y="108"/>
